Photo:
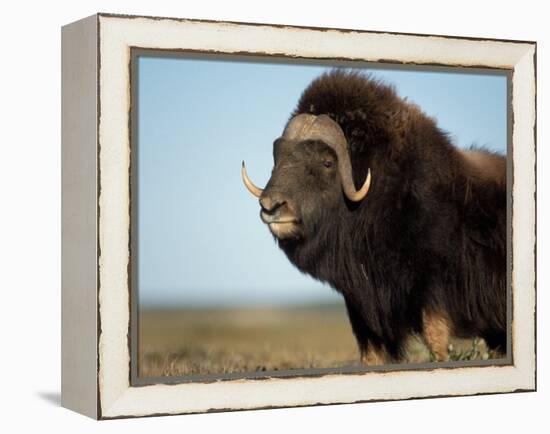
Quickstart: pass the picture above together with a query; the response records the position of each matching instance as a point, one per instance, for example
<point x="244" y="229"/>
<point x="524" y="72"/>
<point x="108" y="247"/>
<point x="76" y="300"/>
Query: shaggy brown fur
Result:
<point x="430" y="237"/>
<point x="437" y="330"/>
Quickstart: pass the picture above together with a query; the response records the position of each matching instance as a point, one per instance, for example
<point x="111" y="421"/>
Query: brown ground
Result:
<point x="178" y="342"/>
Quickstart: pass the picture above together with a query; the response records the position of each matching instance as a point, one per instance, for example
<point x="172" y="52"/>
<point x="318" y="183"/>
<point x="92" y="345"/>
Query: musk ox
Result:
<point x="370" y="196"/>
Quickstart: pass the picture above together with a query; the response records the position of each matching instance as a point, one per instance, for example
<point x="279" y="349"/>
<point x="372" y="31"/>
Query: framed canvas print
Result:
<point x="262" y="216"/>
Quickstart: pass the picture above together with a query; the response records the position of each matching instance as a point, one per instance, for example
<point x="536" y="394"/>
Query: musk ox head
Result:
<point x="311" y="175"/>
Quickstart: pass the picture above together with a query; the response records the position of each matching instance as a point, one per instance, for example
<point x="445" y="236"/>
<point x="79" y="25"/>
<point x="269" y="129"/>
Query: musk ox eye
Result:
<point x="328" y="164"/>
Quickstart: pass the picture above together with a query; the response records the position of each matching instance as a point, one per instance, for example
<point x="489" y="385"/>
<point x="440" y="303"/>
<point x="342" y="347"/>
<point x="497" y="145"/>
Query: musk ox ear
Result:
<point x="310" y="127"/>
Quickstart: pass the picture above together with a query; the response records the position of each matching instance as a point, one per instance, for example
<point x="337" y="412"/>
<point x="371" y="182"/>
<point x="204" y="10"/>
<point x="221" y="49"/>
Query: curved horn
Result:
<point x="249" y="184"/>
<point x="358" y="195"/>
<point x="299" y="127"/>
<point x="306" y="126"/>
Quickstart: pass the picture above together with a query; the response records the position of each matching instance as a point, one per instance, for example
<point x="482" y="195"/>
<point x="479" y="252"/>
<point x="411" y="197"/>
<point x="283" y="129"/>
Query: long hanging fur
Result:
<point x="431" y="233"/>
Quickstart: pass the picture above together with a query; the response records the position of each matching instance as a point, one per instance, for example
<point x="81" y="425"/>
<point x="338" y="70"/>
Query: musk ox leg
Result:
<point x="496" y="341"/>
<point x="374" y="356"/>
<point x="436" y="331"/>
<point x="369" y="353"/>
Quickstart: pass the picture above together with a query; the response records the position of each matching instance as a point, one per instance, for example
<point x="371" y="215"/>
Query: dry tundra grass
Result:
<point x="179" y="342"/>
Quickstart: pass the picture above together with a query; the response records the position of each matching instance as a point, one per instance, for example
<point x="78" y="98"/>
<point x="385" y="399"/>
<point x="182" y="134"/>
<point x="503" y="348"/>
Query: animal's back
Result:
<point x="485" y="166"/>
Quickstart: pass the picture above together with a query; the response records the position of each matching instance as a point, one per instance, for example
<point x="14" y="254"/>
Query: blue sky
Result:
<point x="200" y="237"/>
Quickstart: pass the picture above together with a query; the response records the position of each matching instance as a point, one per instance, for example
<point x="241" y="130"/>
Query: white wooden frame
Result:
<point x="96" y="218"/>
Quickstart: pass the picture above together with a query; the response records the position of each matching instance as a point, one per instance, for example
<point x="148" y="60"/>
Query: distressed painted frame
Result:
<point x="96" y="235"/>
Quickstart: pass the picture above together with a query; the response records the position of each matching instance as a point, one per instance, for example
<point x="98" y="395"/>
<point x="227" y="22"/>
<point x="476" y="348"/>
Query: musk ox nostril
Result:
<point x="271" y="204"/>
